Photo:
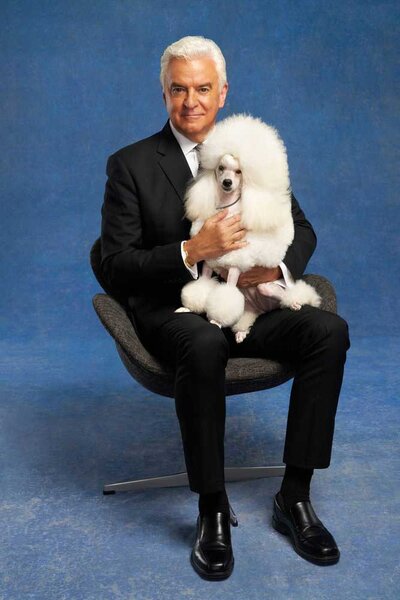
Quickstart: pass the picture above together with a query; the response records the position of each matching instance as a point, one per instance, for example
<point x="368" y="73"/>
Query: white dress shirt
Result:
<point x="189" y="150"/>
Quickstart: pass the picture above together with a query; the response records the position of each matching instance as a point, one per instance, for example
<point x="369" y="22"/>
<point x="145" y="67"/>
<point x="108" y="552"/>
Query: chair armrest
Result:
<point x="325" y="289"/>
<point x="115" y="319"/>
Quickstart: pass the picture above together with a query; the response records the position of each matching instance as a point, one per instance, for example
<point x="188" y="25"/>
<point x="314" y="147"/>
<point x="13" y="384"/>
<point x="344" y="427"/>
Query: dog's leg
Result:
<point x="233" y="276"/>
<point x="207" y="271"/>
<point x="242" y="327"/>
<point x="225" y="304"/>
<point x="195" y="293"/>
<point x="298" y="294"/>
<point x="273" y="290"/>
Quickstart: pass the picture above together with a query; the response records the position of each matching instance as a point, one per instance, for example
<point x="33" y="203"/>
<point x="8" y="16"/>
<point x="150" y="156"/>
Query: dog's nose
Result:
<point x="227" y="183"/>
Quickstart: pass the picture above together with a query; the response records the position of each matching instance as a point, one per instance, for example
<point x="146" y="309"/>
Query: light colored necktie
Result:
<point x="197" y="154"/>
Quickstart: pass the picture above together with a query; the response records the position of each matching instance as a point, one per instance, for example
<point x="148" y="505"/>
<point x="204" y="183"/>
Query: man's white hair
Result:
<point x="192" y="47"/>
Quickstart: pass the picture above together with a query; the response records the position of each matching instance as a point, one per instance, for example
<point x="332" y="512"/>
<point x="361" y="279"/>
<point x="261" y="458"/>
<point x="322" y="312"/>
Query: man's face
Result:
<point x="192" y="96"/>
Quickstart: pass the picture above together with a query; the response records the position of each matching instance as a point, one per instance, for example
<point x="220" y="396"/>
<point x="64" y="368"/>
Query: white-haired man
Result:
<point x="148" y="256"/>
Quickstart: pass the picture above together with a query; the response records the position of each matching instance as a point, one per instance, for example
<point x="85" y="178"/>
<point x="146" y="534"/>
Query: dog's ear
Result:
<point x="201" y="197"/>
<point x="263" y="210"/>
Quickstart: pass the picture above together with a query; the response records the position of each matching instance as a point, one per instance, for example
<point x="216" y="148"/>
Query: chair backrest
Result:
<point x="95" y="262"/>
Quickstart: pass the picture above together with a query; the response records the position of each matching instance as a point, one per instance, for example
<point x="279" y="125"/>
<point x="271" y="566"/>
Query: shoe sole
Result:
<point x="211" y="576"/>
<point x="285" y="530"/>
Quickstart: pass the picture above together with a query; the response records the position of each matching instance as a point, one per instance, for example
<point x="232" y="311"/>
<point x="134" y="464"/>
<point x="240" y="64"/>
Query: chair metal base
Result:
<point x="180" y="479"/>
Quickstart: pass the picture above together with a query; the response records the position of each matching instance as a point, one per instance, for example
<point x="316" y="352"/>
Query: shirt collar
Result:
<point x="184" y="142"/>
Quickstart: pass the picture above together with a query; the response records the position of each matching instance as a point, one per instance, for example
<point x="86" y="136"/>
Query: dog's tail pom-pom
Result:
<point x="195" y="293"/>
<point x="302" y="293"/>
<point x="225" y="305"/>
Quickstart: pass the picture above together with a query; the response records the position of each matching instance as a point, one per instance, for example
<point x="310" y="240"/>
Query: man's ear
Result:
<point x="222" y="95"/>
<point x="164" y="98"/>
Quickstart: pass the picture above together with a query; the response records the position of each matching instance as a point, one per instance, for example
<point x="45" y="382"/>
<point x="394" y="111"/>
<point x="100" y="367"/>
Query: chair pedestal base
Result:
<point x="180" y="479"/>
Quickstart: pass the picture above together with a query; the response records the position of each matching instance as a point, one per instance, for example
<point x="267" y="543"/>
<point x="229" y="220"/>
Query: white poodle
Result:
<point x="244" y="168"/>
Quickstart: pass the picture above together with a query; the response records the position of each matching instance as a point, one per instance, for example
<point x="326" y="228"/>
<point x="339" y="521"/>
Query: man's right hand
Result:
<point x="218" y="236"/>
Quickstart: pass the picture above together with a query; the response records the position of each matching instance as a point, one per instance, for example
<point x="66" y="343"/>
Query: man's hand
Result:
<point x="256" y="275"/>
<point x="218" y="236"/>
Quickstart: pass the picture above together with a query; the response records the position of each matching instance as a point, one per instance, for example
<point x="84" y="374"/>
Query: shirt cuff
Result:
<point x="192" y="270"/>
<point x="287" y="276"/>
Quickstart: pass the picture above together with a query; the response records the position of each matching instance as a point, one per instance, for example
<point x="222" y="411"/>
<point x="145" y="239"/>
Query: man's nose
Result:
<point x="191" y="99"/>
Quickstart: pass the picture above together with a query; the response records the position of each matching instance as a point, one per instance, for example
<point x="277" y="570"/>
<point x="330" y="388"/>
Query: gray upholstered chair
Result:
<point x="242" y="374"/>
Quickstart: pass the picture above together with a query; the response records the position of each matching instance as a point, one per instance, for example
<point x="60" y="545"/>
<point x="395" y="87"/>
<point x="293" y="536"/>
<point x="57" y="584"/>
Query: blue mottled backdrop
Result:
<point x="80" y="79"/>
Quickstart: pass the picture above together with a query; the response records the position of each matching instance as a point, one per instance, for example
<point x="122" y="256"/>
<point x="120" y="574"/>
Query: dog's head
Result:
<point x="228" y="174"/>
<point x="254" y="160"/>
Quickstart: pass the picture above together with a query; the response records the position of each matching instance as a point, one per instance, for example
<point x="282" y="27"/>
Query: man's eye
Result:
<point x="176" y="90"/>
<point x="204" y="90"/>
<point x="220" y="168"/>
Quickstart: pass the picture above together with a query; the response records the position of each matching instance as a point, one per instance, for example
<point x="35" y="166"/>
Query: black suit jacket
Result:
<point x="143" y="225"/>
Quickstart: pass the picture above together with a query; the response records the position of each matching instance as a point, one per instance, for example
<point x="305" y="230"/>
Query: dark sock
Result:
<point x="296" y="485"/>
<point x="212" y="503"/>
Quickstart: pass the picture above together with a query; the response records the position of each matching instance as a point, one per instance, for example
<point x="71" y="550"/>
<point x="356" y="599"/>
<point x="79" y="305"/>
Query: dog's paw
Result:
<point x="215" y="323"/>
<point x="183" y="309"/>
<point x="295" y="306"/>
<point x="241" y="335"/>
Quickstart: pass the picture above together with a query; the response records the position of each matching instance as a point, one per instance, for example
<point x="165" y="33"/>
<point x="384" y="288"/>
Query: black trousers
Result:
<point x="313" y="340"/>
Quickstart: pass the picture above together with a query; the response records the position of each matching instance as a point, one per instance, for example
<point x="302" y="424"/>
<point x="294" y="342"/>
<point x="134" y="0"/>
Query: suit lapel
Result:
<point x="173" y="162"/>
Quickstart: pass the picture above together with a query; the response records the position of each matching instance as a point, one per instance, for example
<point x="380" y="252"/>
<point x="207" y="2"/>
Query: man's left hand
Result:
<point x="256" y="275"/>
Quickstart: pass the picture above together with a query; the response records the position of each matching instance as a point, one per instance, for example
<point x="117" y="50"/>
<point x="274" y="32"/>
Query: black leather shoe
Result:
<point x="310" y="539"/>
<point x="212" y="556"/>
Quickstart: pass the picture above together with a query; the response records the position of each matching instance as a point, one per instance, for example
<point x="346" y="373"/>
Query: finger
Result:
<point x="231" y="222"/>
<point x="234" y="245"/>
<point x="238" y="235"/>
<point x="239" y="244"/>
<point x="219" y="216"/>
<point x="238" y="232"/>
<point x="233" y="219"/>
<point x="236" y="226"/>
<point x="231" y="242"/>
<point x="252" y="271"/>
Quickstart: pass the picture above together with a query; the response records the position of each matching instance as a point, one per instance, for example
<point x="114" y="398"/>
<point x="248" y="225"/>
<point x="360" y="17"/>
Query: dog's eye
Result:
<point x="220" y="168"/>
<point x="238" y="172"/>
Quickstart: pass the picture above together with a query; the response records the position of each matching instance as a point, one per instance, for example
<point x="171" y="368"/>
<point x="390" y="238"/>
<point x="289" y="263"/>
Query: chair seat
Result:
<point x="242" y="374"/>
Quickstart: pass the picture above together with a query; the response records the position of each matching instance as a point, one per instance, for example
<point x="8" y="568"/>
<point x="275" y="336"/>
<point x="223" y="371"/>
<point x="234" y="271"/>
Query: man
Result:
<point x="146" y="254"/>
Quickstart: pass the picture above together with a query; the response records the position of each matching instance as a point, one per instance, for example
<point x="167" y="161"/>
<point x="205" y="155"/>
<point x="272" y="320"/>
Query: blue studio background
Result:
<point x="80" y="80"/>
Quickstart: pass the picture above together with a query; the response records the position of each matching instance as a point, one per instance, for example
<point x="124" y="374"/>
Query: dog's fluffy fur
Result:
<point x="265" y="207"/>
